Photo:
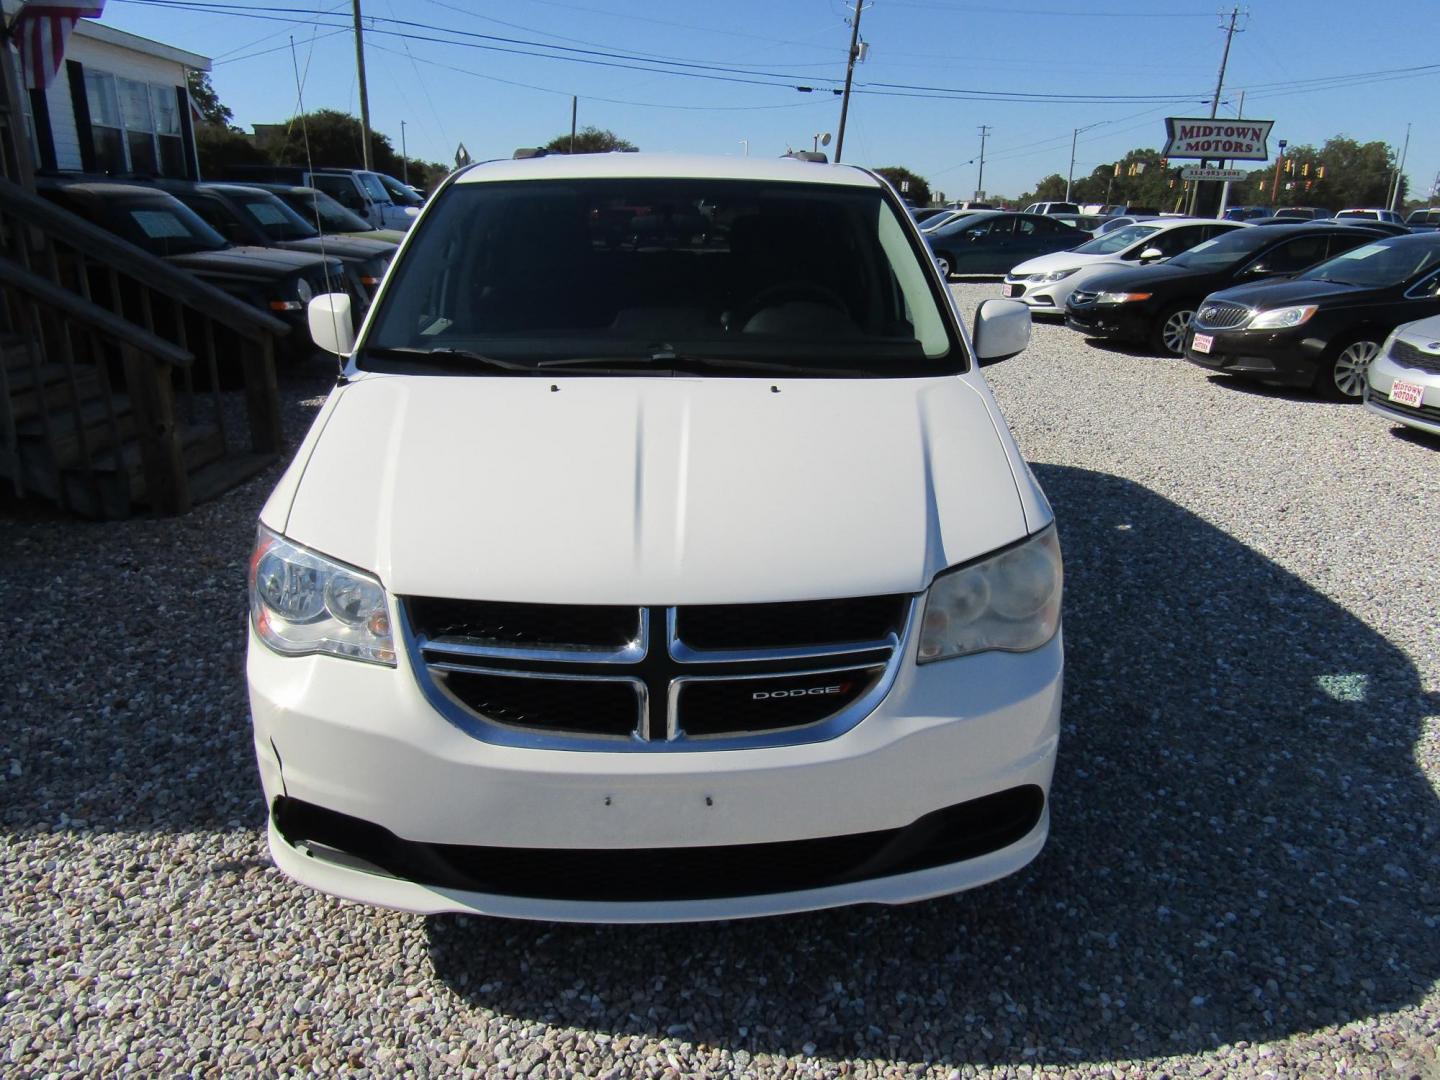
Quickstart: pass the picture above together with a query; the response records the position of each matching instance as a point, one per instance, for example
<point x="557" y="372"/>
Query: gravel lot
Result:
<point x="1243" y="877"/>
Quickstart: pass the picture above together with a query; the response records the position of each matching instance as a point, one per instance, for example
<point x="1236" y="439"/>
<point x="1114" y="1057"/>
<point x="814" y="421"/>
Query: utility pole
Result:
<point x="365" y="157"/>
<point x="980" y="180"/>
<point x="1215" y="101"/>
<point x="404" y="157"/>
<point x="1074" y="136"/>
<point x="1400" y="170"/>
<point x="574" y="110"/>
<point x="849" y="76"/>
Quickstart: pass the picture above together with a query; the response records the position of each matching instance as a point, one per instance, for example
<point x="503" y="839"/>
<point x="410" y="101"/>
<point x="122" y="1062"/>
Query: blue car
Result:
<point x="991" y="243"/>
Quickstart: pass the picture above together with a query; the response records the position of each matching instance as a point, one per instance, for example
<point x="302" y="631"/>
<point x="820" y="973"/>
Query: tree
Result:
<point x="589" y="140"/>
<point x="335" y="142"/>
<point x="1355" y="174"/>
<point x="206" y="100"/>
<point x="220" y="147"/>
<point x="913" y="188"/>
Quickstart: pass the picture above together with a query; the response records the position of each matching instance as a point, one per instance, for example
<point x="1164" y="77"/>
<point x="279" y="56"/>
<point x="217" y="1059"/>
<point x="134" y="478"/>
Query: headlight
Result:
<point x="1121" y="297"/>
<point x="303" y="603"/>
<point x="303" y="291"/>
<point x="1009" y="601"/>
<point x="1053" y="276"/>
<point x="1282" y="318"/>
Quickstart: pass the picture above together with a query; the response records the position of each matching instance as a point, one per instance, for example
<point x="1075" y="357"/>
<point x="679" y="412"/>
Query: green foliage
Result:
<point x="206" y="100"/>
<point x="589" y="140"/>
<point x="1356" y="174"/>
<point x="220" y="147"/>
<point x="919" y="188"/>
<point x="334" y="142"/>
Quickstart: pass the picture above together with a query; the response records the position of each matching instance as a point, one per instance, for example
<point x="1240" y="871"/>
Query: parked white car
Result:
<point x="600" y="591"/>
<point x="1370" y="214"/>
<point x="1403" y="381"/>
<point x="1046" y="282"/>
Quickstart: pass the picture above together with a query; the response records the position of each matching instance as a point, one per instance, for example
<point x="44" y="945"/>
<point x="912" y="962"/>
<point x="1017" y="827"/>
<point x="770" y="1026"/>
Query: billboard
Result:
<point x="1236" y="140"/>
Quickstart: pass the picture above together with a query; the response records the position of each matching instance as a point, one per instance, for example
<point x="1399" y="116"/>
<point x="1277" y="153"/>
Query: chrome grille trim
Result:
<point x="1221" y="315"/>
<point x="463" y="658"/>
<point x="632" y="653"/>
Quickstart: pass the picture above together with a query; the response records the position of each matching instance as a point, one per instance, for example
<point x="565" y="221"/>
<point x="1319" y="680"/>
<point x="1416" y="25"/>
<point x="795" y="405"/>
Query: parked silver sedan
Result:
<point x="1403" y="381"/>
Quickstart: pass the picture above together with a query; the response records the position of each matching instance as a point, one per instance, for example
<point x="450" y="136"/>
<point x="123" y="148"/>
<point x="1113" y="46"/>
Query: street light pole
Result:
<point x="1400" y="169"/>
<point x="849" y="76"/>
<point x="1275" y="187"/>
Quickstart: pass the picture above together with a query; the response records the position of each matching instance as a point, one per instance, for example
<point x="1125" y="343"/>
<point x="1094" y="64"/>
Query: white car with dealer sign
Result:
<point x="1403" y="381"/>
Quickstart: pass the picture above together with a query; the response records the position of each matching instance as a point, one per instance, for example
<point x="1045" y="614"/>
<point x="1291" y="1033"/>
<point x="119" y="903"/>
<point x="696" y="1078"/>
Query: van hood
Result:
<point x="656" y="491"/>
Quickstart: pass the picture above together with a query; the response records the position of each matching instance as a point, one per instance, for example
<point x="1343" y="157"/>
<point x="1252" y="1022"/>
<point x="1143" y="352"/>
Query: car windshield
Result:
<point x="315" y="206"/>
<point x="399" y="193"/>
<point x="163" y="227"/>
<point x="373" y="187"/>
<point x="1424" y="217"/>
<point x="734" y="276"/>
<point x="274" y="218"/>
<point x="939" y="221"/>
<point x="1116" y="240"/>
<point x="1377" y="265"/>
<point x="1234" y="247"/>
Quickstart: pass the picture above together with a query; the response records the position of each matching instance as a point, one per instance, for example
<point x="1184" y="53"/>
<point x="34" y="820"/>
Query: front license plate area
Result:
<point x="1407" y="393"/>
<point x="1202" y="343"/>
<point x="1007" y="290"/>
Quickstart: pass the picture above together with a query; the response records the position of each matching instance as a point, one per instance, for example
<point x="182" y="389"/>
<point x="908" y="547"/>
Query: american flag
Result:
<point x="40" y="32"/>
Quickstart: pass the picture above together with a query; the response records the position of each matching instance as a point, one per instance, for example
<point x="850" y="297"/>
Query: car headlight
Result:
<point x="303" y="291"/>
<point x="1282" y="318"/>
<point x="1009" y="601"/>
<point x="1121" y="297"/>
<point x="1053" y="276"/>
<point x="302" y="603"/>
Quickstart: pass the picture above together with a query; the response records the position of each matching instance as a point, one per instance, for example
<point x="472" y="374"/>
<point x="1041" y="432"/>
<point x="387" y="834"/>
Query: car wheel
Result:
<point x="1168" y="336"/>
<point x="1342" y="375"/>
<point x="942" y="261"/>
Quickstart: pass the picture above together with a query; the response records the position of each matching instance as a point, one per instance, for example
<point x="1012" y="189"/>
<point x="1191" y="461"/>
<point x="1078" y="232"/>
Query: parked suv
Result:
<point x="695" y="578"/>
<point x="1052" y="208"/>
<point x="361" y="192"/>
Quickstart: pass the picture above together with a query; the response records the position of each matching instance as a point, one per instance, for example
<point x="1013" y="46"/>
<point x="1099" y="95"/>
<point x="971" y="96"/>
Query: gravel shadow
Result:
<point x="1243" y="848"/>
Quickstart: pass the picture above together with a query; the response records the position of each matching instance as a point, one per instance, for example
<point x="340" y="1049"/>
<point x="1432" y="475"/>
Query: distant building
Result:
<point x="118" y="105"/>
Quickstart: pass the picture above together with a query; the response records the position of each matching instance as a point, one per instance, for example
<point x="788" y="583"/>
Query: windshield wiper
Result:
<point x="669" y="357"/>
<point x="448" y="358"/>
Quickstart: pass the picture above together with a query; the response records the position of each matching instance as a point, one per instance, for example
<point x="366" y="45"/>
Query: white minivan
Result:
<point x="661" y="555"/>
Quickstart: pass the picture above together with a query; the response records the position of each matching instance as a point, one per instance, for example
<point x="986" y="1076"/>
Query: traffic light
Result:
<point x="1320" y="172"/>
<point x="1164" y="163"/>
<point x="1117" y="168"/>
<point x="1305" y="170"/>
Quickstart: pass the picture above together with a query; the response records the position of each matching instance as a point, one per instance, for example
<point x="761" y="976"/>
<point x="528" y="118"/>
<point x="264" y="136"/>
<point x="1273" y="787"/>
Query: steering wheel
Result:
<point x="787" y="291"/>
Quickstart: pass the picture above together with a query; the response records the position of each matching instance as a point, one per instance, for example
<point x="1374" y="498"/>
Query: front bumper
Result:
<point x="1126" y="322"/>
<point x="1041" y="299"/>
<point x="1381" y="378"/>
<point x="1285" y="358"/>
<point x="361" y="741"/>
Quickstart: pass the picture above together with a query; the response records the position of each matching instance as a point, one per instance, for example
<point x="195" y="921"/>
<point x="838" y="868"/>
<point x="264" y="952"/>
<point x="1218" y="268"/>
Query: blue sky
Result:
<point x="447" y="91"/>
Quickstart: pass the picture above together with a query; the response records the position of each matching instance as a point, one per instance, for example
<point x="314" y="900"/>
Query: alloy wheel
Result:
<point x="1172" y="334"/>
<point x="1350" y="367"/>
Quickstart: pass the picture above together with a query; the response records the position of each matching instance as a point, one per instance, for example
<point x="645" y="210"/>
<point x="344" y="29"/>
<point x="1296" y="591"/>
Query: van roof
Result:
<point x="678" y="166"/>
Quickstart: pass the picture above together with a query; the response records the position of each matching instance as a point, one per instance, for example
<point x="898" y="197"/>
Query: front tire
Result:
<point x="1168" y="335"/>
<point x="1342" y="372"/>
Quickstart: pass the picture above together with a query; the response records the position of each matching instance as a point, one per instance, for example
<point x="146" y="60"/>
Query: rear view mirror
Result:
<point x="330" y="327"/>
<point x="1002" y="330"/>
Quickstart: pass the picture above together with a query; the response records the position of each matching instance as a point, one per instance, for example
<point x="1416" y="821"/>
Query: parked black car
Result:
<point x="1321" y="329"/>
<point x="246" y="215"/>
<point x="278" y="281"/>
<point x="1153" y="304"/>
<point x="1389" y="228"/>
<point x="991" y="242"/>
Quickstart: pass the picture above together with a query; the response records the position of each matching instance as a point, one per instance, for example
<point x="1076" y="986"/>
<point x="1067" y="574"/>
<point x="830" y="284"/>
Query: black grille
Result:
<point x="589" y="626"/>
<point x="964" y="831"/>
<point x="1428" y="413"/>
<point x="1083" y="297"/>
<point x="726" y="706"/>
<point x="1221" y="315"/>
<point x="562" y="706"/>
<point x="1402" y="352"/>
<point x="807" y="622"/>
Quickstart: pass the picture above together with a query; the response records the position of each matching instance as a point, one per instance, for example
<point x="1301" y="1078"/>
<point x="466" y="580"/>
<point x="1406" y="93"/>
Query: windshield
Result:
<point x="316" y="206"/>
<point x="274" y="218"/>
<point x="1377" y="265"/>
<point x="399" y="193"/>
<point x="941" y="220"/>
<point x="376" y="190"/>
<point x="1234" y="247"/>
<point x="1424" y="217"/>
<point x="1116" y="240"/>
<point x="163" y="227"/>
<point x="652" y="273"/>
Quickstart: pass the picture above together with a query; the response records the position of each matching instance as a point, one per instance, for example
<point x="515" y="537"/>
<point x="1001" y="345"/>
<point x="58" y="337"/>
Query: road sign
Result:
<point x="1194" y="172"/>
<point x="462" y="156"/>
<point x="1230" y="140"/>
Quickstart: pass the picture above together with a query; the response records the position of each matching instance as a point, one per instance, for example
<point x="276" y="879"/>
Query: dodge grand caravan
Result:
<point x="660" y="555"/>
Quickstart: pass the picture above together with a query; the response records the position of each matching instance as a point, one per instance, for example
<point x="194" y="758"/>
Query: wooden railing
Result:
<point x="119" y="367"/>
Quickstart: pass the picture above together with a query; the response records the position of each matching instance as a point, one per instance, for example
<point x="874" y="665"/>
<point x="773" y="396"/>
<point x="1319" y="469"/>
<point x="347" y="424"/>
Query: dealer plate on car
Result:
<point x="1007" y="290"/>
<point x="1407" y="393"/>
<point x="1202" y="343"/>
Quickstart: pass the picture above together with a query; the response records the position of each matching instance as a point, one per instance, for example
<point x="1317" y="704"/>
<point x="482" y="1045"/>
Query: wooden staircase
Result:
<point x="125" y="383"/>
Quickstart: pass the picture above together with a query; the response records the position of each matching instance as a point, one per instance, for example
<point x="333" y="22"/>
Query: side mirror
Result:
<point x="1002" y="330"/>
<point x="330" y="328"/>
<point x="1150" y="254"/>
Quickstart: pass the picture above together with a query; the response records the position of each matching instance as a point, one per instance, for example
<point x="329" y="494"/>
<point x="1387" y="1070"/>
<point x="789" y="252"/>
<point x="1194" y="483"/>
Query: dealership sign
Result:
<point x="1240" y="140"/>
<point x="1195" y="172"/>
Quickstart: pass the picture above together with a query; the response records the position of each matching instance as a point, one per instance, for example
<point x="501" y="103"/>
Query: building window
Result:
<point x="135" y="126"/>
